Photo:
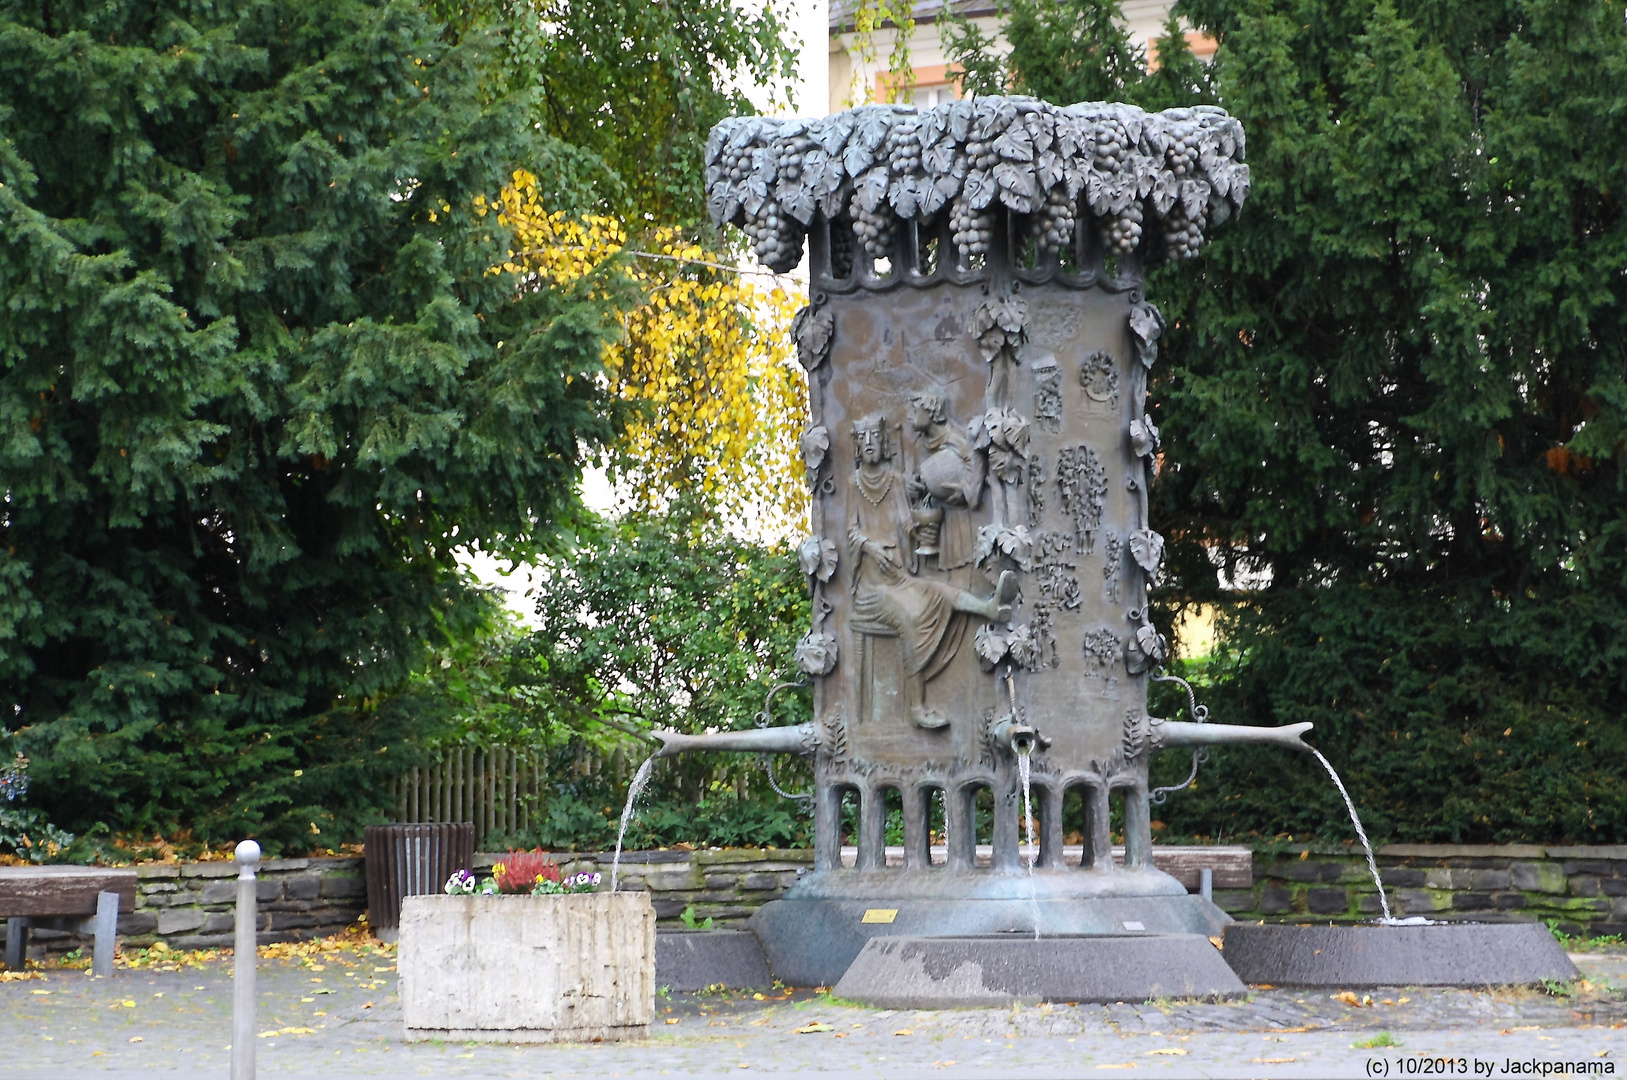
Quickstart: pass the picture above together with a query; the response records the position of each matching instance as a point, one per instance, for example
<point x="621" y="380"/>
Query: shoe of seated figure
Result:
<point x="928" y="719"/>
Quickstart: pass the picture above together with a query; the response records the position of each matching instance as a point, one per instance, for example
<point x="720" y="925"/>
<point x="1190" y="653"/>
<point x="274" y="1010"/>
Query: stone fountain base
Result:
<point x="698" y="959"/>
<point x="812" y="942"/>
<point x="1438" y="954"/>
<point x="1004" y="969"/>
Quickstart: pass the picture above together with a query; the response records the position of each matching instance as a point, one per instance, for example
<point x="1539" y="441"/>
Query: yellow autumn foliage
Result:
<point x="706" y="353"/>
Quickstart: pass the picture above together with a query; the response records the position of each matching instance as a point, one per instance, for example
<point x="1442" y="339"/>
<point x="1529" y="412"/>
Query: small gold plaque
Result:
<point x="880" y="914"/>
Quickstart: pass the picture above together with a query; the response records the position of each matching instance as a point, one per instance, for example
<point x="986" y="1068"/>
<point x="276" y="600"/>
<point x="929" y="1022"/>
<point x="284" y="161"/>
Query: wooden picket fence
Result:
<point x="500" y="789"/>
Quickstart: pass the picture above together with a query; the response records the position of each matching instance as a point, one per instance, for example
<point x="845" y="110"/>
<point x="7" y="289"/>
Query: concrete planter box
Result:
<point x="571" y="968"/>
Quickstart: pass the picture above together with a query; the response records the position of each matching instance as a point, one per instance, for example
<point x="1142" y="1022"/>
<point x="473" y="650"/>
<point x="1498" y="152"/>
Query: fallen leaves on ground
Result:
<point x="18" y="976"/>
<point x="288" y="1031"/>
<point x="355" y="938"/>
<point x="817" y="1025"/>
<point x="157" y="957"/>
<point x="904" y="1031"/>
<point x="346" y="948"/>
<point x="1166" y="1050"/>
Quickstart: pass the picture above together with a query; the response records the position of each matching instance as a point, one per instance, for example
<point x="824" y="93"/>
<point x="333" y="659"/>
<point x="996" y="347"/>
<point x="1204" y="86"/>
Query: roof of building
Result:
<point x="842" y="12"/>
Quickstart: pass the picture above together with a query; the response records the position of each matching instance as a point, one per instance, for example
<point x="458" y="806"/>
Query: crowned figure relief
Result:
<point x="890" y="600"/>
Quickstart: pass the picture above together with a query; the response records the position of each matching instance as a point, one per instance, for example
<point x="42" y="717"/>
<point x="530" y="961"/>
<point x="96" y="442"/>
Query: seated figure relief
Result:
<point x="890" y="600"/>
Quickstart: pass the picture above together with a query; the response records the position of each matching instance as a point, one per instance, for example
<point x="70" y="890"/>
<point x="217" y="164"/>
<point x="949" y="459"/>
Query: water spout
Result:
<point x="1372" y="864"/>
<point x="634" y="790"/>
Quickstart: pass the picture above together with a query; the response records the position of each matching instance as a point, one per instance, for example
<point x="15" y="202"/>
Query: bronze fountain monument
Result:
<point x="979" y="453"/>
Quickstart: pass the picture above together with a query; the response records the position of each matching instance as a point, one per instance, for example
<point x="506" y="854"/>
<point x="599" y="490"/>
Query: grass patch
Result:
<point x="1584" y="943"/>
<point x="1383" y="1038"/>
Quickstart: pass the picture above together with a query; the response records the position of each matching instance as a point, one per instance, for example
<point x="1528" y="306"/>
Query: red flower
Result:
<point x="521" y="870"/>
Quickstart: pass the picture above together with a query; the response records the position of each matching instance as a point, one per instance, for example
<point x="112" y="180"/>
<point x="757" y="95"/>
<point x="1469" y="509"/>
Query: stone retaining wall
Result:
<point x="725" y="885"/>
<point x="1584" y="889"/>
<point x="192" y="905"/>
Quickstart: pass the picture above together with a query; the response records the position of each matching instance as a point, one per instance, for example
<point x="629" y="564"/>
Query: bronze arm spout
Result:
<point x="1019" y="738"/>
<point x="1172" y="733"/>
<point x="797" y="739"/>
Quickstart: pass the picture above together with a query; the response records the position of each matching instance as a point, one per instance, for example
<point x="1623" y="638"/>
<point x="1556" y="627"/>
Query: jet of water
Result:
<point x="1024" y="772"/>
<point x="948" y="848"/>
<point x="634" y="790"/>
<point x="1361" y="833"/>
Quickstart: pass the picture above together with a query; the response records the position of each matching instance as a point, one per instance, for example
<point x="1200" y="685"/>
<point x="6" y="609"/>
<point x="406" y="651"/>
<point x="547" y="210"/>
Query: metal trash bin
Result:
<point x="411" y="860"/>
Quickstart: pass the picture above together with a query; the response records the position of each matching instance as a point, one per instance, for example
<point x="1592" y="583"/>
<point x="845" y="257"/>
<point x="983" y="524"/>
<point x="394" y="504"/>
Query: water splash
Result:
<point x="634" y="790"/>
<point x="1024" y="771"/>
<point x="1361" y="834"/>
<point x="948" y="849"/>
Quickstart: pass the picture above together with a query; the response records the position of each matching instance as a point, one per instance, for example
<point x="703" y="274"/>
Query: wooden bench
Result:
<point x="86" y="899"/>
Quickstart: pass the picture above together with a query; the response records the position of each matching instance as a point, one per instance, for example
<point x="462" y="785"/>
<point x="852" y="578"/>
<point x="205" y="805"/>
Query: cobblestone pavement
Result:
<point x="341" y="1018"/>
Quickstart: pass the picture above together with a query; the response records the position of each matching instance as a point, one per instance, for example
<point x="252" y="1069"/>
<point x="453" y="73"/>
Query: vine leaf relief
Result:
<point x="1004" y="435"/>
<point x="1147" y="324"/>
<point x="1147" y="549"/>
<point x="1146" y="649"/>
<point x="997" y="542"/>
<point x="1016" y="643"/>
<point x="1144" y="437"/>
<point x="817" y="557"/>
<point x="814" y="445"/>
<point x="812" y="330"/>
<point x="816" y="653"/>
<point x="998" y="324"/>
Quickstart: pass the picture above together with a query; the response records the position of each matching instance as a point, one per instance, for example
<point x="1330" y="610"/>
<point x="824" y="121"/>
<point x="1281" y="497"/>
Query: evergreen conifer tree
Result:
<point x="258" y="380"/>
<point x="1395" y="392"/>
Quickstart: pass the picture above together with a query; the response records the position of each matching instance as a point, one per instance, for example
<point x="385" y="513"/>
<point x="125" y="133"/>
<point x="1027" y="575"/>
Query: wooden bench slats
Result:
<point x="63" y="890"/>
<point x="1233" y="866"/>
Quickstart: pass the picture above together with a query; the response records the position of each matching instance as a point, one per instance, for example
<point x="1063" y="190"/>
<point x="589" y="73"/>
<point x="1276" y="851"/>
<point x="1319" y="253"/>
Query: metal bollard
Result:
<point x="107" y="929"/>
<point x="1206" y="884"/>
<point x="243" y="958"/>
